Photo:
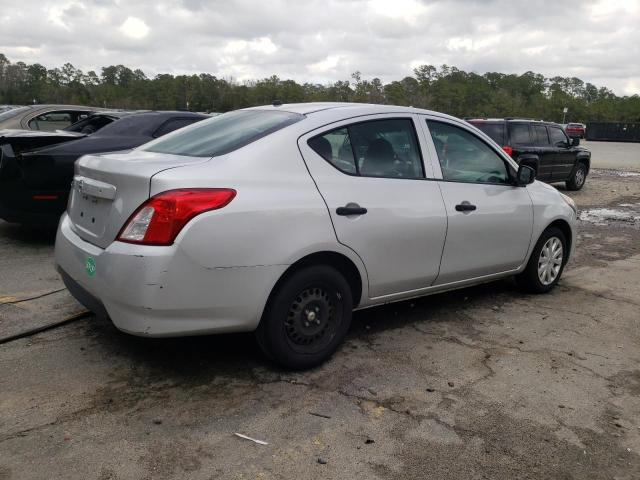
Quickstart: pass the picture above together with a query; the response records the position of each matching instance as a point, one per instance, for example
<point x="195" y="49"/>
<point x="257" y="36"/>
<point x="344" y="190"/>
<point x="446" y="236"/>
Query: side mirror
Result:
<point x="525" y="175"/>
<point x="575" y="141"/>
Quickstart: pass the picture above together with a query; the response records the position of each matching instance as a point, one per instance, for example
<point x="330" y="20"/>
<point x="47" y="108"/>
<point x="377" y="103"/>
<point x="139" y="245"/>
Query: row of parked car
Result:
<point x="283" y="219"/>
<point x="39" y="145"/>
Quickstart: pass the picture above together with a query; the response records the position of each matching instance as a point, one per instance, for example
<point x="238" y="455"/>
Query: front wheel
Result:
<point x="579" y="177"/>
<point x="307" y="318"/>
<point x="546" y="263"/>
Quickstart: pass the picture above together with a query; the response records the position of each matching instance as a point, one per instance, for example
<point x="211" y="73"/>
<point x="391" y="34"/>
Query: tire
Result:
<point x="578" y="179"/>
<point x="530" y="280"/>
<point x="306" y="318"/>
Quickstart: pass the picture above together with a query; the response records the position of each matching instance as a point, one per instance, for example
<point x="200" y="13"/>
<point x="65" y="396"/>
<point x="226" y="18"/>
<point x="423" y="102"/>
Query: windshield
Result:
<point x="14" y="112"/>
<point x="222" y="134"/>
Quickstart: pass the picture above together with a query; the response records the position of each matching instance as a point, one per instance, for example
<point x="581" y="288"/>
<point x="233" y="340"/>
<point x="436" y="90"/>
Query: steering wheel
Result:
<point x="491" y="177"/>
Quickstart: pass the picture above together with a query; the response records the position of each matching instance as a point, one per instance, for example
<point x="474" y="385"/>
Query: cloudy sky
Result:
<point x="327" y="40"/>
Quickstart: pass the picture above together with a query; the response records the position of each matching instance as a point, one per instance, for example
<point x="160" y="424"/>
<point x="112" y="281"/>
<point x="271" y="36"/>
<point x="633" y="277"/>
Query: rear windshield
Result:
<point x="222" y="134"/>
<point x="14" y="112"/>
<point x="494" y="130"/>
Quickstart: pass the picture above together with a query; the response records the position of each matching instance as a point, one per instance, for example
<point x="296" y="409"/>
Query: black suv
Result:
<point x="544" y="146"/>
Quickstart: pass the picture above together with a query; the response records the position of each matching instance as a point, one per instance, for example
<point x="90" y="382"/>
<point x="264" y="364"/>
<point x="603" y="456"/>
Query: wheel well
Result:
<point x="586" y="161"/>
<point x="336" y="260"/>
<point x="530" y="162"/>
<point x="565" y="229"/>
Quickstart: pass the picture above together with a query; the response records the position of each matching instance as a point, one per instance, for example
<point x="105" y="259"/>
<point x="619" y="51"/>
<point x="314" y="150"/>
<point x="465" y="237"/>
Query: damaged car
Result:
<point x="283" y="219"/>
<point x="36" y="167"/>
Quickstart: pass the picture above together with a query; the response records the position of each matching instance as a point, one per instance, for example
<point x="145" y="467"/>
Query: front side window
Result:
<point x="540" y="135"/>
<point x="378" y="148"/>
<point x="558" y="138"/>
<point x="466" y="158"/>
<point x="223" y="134"/>
<point x="520" y="134"/>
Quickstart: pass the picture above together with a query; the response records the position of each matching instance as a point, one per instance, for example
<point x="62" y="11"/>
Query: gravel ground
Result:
<point x="483" y="382"/>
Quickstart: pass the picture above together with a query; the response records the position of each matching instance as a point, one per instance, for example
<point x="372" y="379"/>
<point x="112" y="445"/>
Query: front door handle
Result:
<point x="465" y="207"/>
<point x="351" y="209"/>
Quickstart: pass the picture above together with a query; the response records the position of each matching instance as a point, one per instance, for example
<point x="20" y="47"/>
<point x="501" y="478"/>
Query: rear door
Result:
<point x="520" y="138"/>
<point x="372" y="178"/>
<point x="489" y="220"/>
<point x="546" y="153"/>
<point x="564" y="156"/>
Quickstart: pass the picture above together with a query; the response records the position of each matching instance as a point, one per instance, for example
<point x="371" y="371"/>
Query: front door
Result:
<point x="546" y="153"/>
<point x="563" y="157"/>
<point x="490" y="220"/>
<point x="372" y="178"/>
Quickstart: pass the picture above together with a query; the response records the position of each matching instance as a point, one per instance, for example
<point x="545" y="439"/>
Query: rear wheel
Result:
<point x="546" y="263"/>
<point x="579" y="177"/>
<point x="307" y="318"/>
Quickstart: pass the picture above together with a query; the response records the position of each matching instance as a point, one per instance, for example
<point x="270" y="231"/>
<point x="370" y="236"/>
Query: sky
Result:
<point x="325" y="41"/>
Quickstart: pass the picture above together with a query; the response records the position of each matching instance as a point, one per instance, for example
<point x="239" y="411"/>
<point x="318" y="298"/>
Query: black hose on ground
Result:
<point x="43" y="328"/>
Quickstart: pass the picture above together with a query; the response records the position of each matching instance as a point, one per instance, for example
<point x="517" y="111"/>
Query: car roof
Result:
<point x="347" y="109"/>
<point x="510" y="119"/>
<point x="37" y="106"/>
<point x="126" y="113"/>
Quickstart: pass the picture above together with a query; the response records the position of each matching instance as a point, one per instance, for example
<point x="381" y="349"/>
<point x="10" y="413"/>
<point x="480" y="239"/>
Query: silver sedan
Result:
<point x="283" y="219"/>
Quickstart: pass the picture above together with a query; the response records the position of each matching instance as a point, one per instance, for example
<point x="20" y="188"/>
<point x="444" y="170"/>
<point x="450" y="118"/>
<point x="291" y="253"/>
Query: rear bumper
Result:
<point x="162" y="291"/>
<point x="18" y="205"/>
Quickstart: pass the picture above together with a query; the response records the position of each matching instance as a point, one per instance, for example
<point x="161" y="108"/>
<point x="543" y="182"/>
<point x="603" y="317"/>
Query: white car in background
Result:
<point x="283" y="219"/>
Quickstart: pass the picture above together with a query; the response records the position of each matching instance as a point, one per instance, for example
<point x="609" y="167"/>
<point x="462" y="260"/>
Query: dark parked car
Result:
<point x="542" y="145"/>
<point x="36" y="168"/>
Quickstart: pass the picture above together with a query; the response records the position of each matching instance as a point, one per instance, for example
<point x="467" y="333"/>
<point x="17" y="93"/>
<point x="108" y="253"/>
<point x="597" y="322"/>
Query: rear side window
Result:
<point x="335" y="148"/>
<point x="520" y="134"/>
<point x="379" y="148"/>
<point x="540" y="135"/>
<point x="493" y="130"/>
<point x="174" y="124"/>
<point x="223" y="134"/>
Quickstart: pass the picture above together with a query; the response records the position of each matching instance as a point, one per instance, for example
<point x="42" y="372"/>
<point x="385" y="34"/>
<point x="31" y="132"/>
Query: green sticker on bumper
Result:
<point x="90" y="267"/>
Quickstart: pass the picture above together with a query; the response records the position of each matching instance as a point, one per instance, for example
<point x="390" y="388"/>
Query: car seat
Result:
<point x="379" y="159"/>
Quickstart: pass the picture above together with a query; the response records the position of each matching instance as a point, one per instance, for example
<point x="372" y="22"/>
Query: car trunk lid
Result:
<point x="107" y="188"/>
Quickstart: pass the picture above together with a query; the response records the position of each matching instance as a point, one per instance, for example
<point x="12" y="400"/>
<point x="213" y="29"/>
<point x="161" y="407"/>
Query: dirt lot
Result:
<point x="479" y="383"/>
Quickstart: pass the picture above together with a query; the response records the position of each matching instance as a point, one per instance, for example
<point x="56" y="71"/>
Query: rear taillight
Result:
<point x="159" y="220"/>
<point x="508" y="149"/>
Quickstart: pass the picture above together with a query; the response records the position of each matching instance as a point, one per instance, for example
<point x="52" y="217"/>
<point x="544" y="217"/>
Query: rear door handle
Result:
<point x="465" y="207"/>
<point x="351" y="209"/>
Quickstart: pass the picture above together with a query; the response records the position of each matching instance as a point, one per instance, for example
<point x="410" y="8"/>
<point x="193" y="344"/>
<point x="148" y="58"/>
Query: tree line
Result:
<point x="444" y="89"/>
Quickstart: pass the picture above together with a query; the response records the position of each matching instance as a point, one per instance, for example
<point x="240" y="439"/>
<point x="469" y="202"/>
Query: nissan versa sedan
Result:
<point x="283" y="219"/>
